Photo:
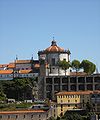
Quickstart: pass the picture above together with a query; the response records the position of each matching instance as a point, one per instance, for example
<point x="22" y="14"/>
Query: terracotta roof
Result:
<point x="25" y="71"/>
<point x="11" y="65"/>
<point x="3" y="65"/>
<point x="23" y="61"/>
<point x="54" y="48"/>
<point x="6" y="71"/>
<point x="77" y="93"/>
<point x="36" y="65"/>
<point x="78" y="74"/>
<point x="22" y="111"/>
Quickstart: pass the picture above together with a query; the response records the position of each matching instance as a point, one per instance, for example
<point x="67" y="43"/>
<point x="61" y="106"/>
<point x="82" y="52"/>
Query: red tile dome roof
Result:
<point x="54" y="48"/>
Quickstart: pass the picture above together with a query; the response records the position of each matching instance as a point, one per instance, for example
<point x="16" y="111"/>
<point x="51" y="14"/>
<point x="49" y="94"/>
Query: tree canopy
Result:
<point x="19" y="88"/>
<point x="64" y="65"/>
<point x="88" y="66"/>
<point x="75" y="65"/>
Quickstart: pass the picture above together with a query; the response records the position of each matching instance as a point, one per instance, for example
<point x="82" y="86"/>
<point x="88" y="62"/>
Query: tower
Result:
<point x="50" y="57"/>
<point x="49" y="68"/>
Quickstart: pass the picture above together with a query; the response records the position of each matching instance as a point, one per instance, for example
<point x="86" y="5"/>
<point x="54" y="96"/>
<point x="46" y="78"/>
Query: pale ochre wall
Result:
<point x="68" y="102"/>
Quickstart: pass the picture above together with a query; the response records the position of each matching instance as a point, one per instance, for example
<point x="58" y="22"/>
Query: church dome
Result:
<point x="54" y="48"/>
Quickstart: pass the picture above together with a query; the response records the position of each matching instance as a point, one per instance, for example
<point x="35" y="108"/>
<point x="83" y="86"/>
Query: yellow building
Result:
<point x="72" y="100"/>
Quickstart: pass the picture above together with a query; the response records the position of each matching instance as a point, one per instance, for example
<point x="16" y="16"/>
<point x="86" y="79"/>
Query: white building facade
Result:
<point x="51" y="56"/>
<point x="25" y="115"/>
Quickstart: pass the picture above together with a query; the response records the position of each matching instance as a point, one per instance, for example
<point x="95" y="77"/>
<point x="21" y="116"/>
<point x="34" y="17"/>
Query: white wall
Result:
<point x="25" y="116"/>
<point x="63" y="56"/>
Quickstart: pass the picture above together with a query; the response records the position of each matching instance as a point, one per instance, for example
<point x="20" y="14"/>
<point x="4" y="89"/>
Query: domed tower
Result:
<point x="49" y="59"/>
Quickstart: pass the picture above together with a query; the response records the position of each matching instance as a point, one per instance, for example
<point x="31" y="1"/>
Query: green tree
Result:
<point x="24" y="88"/>
<point x="89" y="107"/>
<point x="58" y="118"/>
<point x="75" y="65"/>
<point x="51" y="118"/>
<point x="2" y="96"/>
<point x="9" y="89"/>
<point x="64" y="65"/>
<point x="88" y="66"/>
<point x="19" y="88"/>
<point x="72" y="116"/>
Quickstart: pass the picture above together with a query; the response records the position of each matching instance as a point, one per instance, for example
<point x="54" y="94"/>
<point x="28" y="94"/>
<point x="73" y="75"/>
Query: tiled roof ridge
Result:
<point x="77" y="92"/>
<point x="21" y="111"/>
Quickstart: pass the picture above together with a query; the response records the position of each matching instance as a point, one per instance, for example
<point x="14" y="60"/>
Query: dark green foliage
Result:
<point x="72" y="116"/>
<point x="14" y="106"/>
<point x="88" y="66"/>
<point x="19" y="88"/>
<point x="64" y="65"/>
<point x="51" y="118"/>
<point x="58" y="118"/>
<point x="76" y="115"/>
<point x="89" y="107"/>
<point x="75" y="65"/>
<point x="2" y="96"/>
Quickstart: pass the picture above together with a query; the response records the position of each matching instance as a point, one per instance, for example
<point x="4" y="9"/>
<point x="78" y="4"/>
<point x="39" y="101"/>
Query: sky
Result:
<point x="27" y="26"/>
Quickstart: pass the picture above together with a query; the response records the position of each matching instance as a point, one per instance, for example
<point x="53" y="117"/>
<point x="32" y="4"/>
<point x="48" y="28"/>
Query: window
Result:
<point x="16" y="116"/>
<point x="39" y="116"/>
<point x="31" y="116"/>
<point x="61" y="107"/>
<point x="75" y="105"/>
<point x="75" y="100"/>
<point x="53" y="61"/>
<point x="64" y="59"/>
<point x="68" y="100"/>
<point x="8" y="116"/>
<point x="54" y="110"/>
<point x="27" y="75"/>
<point x="24" y="116"/>
<point x="61" y="114"/>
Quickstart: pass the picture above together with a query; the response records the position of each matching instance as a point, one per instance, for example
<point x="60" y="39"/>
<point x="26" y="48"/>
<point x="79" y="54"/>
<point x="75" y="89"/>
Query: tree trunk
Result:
<point x="65" y="72"/>
<point x="58" y="71"/>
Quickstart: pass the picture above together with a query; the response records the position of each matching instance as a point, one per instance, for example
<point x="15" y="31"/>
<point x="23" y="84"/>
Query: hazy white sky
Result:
<point x="27" y="26"/>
